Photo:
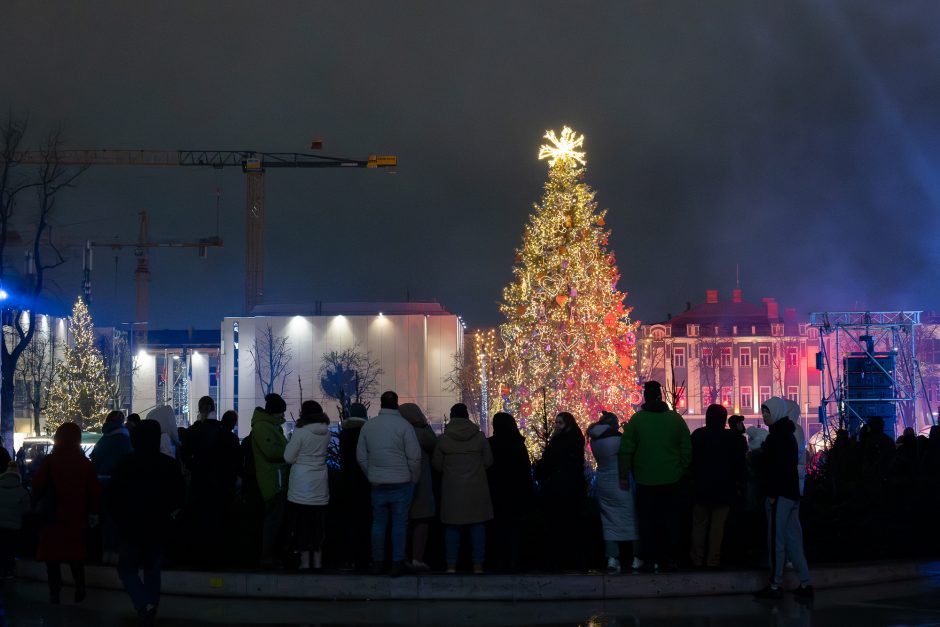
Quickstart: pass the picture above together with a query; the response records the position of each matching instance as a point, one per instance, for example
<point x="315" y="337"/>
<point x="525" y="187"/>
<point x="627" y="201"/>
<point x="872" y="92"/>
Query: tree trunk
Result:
<point x="7" y="372"/>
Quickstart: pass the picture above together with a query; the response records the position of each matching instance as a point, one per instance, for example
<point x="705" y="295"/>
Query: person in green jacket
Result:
<point x="656" y="447"/>
<point x="271" y="471"/>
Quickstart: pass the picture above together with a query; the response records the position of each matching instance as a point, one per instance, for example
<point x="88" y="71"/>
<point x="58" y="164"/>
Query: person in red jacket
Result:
<point x="66" y="487"/>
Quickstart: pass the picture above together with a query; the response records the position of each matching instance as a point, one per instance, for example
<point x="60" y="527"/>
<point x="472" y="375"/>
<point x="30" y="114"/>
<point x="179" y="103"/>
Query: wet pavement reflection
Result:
<point x="909" y="603"/>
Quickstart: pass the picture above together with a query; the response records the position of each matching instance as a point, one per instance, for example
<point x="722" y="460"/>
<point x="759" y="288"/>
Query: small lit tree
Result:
<point x="80" y="391"/>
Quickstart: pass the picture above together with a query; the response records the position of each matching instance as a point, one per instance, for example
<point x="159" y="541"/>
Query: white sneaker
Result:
<point x="613" y="566"/>
<point x="637" y="563"/>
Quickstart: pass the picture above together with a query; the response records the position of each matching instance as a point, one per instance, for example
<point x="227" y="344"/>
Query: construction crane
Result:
<point x="253" y="164"/>
<point x="142" y="271"/>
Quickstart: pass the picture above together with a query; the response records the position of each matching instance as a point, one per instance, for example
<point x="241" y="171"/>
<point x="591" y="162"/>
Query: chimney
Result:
<point x="736" y="296"/>
<point x="773" y="309"/>
<point x="789" y="314"/>
<point x="711" y="296"/>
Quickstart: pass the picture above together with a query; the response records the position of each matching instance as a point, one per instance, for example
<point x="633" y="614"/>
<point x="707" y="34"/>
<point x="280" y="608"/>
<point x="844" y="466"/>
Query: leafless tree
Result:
<point x="35" y="369"/>
<point x="49" y="179"/>
<point x="349" y="376"/>
<point x="272" y="355"/>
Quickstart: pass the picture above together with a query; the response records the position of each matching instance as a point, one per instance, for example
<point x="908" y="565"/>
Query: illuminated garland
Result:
<point x="80" y="389"/>
<point x="569" y="341"/>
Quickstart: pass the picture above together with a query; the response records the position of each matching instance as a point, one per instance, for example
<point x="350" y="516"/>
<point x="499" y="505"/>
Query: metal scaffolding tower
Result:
<point x="872" y="336"/>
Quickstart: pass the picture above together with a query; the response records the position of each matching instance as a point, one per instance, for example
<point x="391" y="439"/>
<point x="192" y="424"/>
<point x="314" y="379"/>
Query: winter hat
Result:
<point x="412" y="413"/>
<point x="777" y="408"/>
<point x="358" y="410"/>
<point x="652" y="391"/>
<point x="459" y="411"/>
<point x="274" y="404"/>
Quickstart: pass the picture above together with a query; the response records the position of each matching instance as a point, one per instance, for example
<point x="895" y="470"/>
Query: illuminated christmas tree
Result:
<point x="80" y="389"/>
<point x="569" y="340"/>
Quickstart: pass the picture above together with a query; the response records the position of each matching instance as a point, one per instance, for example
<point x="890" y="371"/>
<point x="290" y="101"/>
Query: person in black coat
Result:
<point x="560" y="474"/>
<point x="146" y="494"/>
<point x="212" y="455"/>
<point x="718" y="468"/>
<point x="356" y="493"/>
<point x="511" y="491"/>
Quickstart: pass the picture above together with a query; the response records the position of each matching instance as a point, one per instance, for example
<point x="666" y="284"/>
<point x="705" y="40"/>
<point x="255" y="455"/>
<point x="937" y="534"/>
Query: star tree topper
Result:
<point x="562" y="148"/>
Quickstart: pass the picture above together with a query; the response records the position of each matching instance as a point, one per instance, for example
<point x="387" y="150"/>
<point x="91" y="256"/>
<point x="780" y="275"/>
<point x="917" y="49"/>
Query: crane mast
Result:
<point x="253" y="164"/>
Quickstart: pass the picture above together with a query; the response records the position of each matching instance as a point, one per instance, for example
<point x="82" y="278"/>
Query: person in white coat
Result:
<point x="618" y="512"/>
<point x="169" y="432"/>
<point x="308" y="489"/>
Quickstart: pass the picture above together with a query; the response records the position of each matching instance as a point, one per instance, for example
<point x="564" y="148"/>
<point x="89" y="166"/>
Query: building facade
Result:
<point x="414" y="344"/>
<point x="735" y="353"/>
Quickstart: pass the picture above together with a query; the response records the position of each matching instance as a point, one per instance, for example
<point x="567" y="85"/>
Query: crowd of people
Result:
<point x="394" y="497"/>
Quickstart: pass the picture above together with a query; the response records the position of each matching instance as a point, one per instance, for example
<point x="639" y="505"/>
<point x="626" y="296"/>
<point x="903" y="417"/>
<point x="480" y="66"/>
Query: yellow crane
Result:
<point x="142" y="270"/>
<point x="253" y="164"/>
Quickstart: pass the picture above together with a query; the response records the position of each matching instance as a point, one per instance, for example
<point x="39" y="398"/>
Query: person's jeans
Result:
<point x="477" y="542"/>
<point x="708" y="521"/>
<point x="657" y="515"/>
<point x="785" y="539"/>
<point x="272" y="529"/>
<point x="133" y="559"/>
<point x="390" y="500"/>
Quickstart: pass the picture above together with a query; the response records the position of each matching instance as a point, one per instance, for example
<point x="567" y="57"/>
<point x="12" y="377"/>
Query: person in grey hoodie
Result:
<point x="390" y="456"/>
<point x="780" y="481"/>
<point x="463" y="455"/>
<point x="14" y="503"/>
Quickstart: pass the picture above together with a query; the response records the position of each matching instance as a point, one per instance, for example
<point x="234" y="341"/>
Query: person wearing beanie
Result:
<point x="114" y="444"/>
<point x="271" y="471"/>
<point x="462" y="456"/>
<point x="389" y="454"/>
<point x="423" y="507"/>
<point x="308" y="491"/>
<point x="779" y="477"/>
<point x="718" y="466"/>
<point x="657" y="448"/>
<point x="356" y="504"/>
<point x="618" y="511"/>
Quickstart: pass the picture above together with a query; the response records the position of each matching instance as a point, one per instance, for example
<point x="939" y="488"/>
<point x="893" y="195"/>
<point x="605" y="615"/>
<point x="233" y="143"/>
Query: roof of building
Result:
<point x="717" y="318"/>
<point x="351" y="309"/>
<point x="184" y="338"/>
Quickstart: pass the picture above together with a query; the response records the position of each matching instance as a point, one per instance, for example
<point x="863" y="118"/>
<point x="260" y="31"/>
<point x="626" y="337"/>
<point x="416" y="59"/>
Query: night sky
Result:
<point x="797" y="140"/>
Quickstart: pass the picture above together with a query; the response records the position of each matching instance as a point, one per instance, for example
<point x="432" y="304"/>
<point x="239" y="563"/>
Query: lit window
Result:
<point x="763" y="356"/>
<point x="678" y="356"/>
<point x="706" y="396"/>
<point x="793" y="355"/>
<point x="745" y="356"/>
<point x="707" y="359"/>
<point x="803" y="327"/>
<point x="812" y="333"/>
<point x="793" y="393"/>
<point x="745" y="398"/>
<point x="764" y="393"/>
<point x="726" y="394"/>
<point x="734" y="329"/>
<point x="726" y="356"/>
<point x="691" y="330"/>
<point x="776" y="329"/>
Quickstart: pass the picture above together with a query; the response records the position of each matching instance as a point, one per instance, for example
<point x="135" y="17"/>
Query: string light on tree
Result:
<point x="570" y="344"/>
<point x="80" y="390"/>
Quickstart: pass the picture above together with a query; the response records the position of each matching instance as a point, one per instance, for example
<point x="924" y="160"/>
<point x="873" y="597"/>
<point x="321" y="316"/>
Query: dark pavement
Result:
<point x="909" y="603"/>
